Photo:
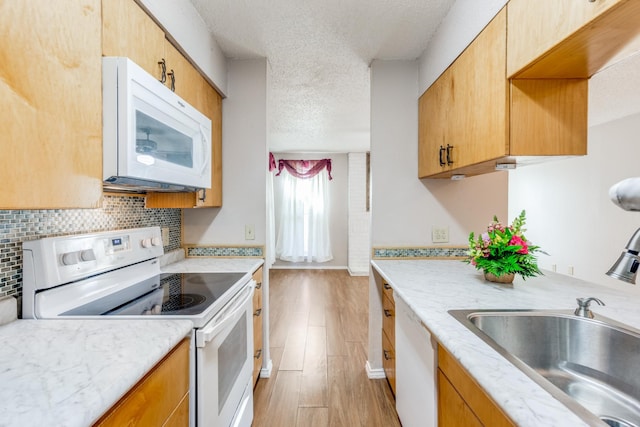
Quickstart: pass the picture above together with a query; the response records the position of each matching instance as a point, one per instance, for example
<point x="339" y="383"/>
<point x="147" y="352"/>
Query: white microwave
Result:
<point x="152" y="138"/>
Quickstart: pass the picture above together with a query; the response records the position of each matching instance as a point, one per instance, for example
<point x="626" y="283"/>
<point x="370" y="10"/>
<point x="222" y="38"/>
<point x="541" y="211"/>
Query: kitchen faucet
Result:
<point x="583" y="307"/>
<point x="626" y="267"/>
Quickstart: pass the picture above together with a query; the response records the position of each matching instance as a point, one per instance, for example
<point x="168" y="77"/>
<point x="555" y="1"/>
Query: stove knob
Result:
<point x="156" y="241"/>
<point x="87" y="255"/>
<point x="146" y="243"/>
<point x="69" y="258"/>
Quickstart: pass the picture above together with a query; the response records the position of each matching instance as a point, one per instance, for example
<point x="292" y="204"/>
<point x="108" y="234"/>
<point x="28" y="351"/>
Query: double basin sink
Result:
<point x="590" y="365"/>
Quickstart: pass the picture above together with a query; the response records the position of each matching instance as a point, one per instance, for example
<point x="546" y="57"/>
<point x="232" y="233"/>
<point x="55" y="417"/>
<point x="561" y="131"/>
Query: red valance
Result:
<point x="304" y="168"/>
<point x="272" y="162"/>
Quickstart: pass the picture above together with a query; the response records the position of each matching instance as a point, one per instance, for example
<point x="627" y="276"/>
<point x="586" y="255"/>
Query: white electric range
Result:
<point x="117" y="274"/>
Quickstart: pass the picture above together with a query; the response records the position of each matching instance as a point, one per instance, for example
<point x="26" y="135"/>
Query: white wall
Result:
<point x="359" y="216"/>
<point x="463" y="22"/>
<point x="244" y="162"/>
<point x="186" y="27"/>
<point x="404" y="207"/>
<point x="339" y="209"/>
<point x="569" y="212"/>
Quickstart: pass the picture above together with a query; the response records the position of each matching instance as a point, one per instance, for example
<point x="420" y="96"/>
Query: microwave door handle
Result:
<point x="208" y="333"/>
<point x="206" y="148"/>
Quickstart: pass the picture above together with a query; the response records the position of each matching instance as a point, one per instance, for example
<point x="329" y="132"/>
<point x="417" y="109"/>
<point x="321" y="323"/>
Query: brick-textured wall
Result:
<point x="359" y="217"/>
<point x="117" y="212"/>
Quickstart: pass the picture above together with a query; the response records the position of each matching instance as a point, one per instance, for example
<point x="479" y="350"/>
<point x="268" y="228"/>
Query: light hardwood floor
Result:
<point x="319" y="333"/>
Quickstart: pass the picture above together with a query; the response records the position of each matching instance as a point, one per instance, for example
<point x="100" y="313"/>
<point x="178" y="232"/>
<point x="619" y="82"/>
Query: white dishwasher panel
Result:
<point x="416" y="370"/>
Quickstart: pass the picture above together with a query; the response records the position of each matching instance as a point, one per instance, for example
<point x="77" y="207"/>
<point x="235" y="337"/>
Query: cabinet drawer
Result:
<point x="387" y="291"/>
<point x="389" y="319"/>
<point x="155" y="398"/>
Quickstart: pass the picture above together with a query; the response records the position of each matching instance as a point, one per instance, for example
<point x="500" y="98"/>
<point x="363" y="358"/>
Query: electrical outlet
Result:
<point x="165" y="236"/>
<point x="439" y="234"/>
<point x="249" y="232"/>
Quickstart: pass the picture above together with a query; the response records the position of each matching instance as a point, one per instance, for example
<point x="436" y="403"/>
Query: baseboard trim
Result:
<point x="358" y="273"/>
<point x="374" y="374"/>
<point x="266" y="371"/>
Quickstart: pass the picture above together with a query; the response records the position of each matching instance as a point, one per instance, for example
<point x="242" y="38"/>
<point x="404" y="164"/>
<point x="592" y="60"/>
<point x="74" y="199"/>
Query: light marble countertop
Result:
<point x="431" y="288"/>
<point x="213" y="265"/>
<point x="69" y="372"/>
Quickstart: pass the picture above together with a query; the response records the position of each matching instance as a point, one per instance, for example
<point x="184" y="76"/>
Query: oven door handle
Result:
<point x="229" y="314"/>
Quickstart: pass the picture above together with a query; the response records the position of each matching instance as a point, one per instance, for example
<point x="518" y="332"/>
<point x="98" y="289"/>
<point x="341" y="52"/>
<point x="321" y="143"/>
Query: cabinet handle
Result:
<point x="387" y="355"/>
<point x="163" y="74"/>
<point x="258" y="354"/>
<point x="388" y="313"/>
<point x="203" y="196"/>
<point x="441" y="156"/>
<point x="172" y="75"/>
<point x="449" y="149"/>
<point x="386" y="286"/>
<point x="258" y="312"/>
<point x="258" y="285"/>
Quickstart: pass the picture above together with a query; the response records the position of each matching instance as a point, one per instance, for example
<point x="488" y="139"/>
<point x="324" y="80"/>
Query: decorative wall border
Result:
<point x="223" y="251"/>
<point x="427" y="252"/>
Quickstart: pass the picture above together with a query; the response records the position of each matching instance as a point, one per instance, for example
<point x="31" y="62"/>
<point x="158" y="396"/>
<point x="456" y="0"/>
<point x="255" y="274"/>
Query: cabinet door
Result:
<point x="50" y="98"/>
<point x="258" y="314"/>
<point x="213" y="110"/>
<point x="535" y="27"/>
<point x="433" y="127"/>
<point x="452" y="409"/>
<point x="128" y="31"/>
<point x="389" y="361"/>
<point x="187" y="80"/>
<point x="478" y="119"/>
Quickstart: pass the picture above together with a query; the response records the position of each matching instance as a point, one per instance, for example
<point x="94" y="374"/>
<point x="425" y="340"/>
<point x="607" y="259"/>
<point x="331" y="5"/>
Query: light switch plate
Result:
<point x="249" y="232"/>
<point x="439" y="234"/>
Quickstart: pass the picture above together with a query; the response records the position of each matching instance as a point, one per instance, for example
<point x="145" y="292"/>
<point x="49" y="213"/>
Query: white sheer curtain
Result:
<point x="303" y="233"/>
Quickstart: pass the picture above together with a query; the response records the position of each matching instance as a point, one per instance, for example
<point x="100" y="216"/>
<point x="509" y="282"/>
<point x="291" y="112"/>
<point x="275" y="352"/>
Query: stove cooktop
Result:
<point x="174" y="294"/>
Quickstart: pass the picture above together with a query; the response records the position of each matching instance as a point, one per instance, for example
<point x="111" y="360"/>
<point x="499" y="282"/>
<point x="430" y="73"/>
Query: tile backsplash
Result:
<point x="117" y="212"/>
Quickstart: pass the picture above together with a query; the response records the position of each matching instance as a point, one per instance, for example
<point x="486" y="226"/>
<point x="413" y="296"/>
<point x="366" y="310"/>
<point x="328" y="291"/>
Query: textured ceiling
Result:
<point x="319" y="53"/>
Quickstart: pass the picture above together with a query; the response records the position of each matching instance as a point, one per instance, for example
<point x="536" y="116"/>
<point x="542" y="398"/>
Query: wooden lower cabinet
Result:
<point x="461" y="401"/>
<point x="389" y="335"/>
<point x="257" y="326"/>
<point x="161" y="398"/>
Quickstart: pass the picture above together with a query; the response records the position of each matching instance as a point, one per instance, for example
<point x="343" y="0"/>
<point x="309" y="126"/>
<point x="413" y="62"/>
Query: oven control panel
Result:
<point x="58" y="260"/>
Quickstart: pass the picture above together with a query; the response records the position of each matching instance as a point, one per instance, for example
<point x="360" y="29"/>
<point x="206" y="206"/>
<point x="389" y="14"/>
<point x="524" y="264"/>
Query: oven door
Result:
<point x="224" y="364"/>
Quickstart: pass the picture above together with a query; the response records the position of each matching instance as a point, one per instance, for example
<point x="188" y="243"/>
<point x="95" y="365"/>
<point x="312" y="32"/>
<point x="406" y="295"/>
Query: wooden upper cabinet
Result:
<point x="473" y="118"/>
<point x="188" y="81"/>
<point x="51" y="103"/>
<point x="128" y="31"/>
<point x="463" y="116"/>
<point x="569" y="38"/>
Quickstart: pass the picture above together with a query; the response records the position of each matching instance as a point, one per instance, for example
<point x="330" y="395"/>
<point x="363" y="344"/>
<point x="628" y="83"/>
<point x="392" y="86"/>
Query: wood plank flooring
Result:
<point x="319" y="332"/>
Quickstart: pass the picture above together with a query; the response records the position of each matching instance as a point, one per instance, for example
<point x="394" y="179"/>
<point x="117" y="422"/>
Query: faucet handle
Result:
<point x="583" y="307"/>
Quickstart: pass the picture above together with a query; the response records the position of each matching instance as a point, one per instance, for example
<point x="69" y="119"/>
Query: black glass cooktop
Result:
<point x="166" y="294"/>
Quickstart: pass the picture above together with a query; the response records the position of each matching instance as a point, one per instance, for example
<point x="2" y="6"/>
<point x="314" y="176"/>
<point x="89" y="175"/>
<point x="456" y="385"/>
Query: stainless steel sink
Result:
<point x="590" y="365"/>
